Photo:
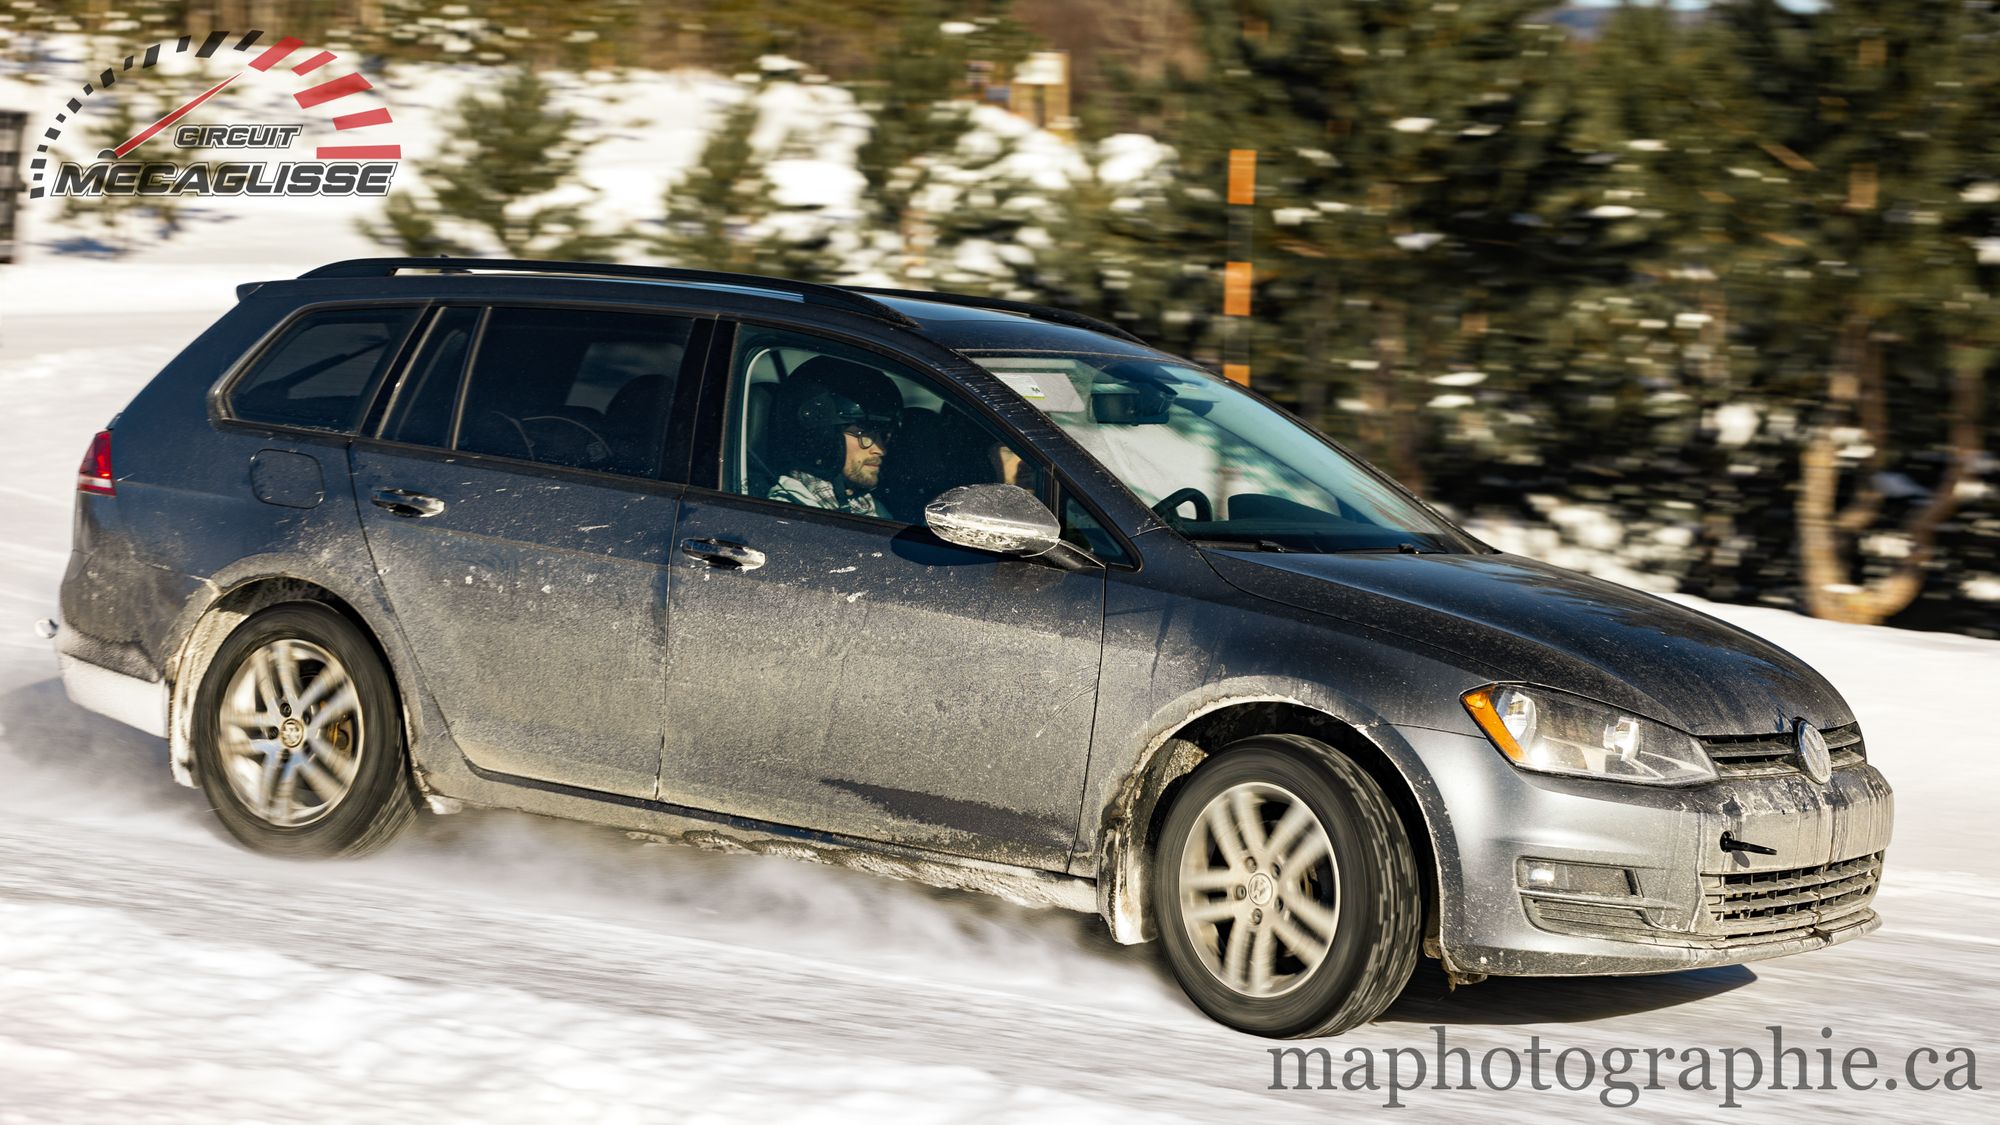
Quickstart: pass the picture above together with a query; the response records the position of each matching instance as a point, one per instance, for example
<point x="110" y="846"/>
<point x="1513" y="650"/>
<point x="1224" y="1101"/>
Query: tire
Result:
<point x="1241" y="932"/>
<point x="292" y="761"/>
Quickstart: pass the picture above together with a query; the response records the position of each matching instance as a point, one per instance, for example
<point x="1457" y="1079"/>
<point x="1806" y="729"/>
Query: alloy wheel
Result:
<point x="1259" y="893"/>
<point x="291" y="732"/>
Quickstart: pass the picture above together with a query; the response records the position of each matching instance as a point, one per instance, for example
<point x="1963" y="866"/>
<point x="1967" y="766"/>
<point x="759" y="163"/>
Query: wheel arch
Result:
<point x="206" y="622"/>
<point x="1133" y="822"/>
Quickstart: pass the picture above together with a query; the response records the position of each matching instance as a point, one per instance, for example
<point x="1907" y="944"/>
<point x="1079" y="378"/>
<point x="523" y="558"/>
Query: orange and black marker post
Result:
<point x="1237" y="273"/>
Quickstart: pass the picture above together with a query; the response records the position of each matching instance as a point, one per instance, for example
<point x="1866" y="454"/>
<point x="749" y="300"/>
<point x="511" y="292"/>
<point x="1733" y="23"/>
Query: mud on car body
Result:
<point x="1107" y="633"/>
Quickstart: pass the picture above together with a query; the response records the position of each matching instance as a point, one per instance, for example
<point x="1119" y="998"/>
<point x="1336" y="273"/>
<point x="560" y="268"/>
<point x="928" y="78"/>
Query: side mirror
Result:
<point x="1000" y="518"/>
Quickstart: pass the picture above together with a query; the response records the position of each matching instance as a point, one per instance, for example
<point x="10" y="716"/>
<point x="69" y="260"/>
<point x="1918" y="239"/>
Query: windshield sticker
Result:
<point x="1050" y="391"/>
<point x="1027" y="386"/>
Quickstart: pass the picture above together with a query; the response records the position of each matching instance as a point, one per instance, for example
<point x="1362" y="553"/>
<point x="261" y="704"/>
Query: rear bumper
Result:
<point x="1547" y="876"/>
<point x="129" y="699"/>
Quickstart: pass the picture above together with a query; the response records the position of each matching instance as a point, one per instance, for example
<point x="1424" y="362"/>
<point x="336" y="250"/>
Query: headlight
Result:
<point x="1550" y="732"/>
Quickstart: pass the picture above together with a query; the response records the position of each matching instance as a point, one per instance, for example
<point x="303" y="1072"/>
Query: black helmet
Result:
<point x="824" y="396"/>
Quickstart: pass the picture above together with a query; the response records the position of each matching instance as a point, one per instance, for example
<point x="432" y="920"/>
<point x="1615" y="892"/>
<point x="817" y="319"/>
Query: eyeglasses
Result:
<point x="867" y="435"/>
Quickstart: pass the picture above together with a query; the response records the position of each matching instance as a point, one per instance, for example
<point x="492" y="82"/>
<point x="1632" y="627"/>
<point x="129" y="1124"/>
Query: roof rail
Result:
<point x="828" y="295"/>
<point x="998" y="304"/>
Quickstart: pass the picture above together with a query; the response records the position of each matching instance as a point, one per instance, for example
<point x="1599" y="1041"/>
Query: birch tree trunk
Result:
<point x="1826" y="536"/>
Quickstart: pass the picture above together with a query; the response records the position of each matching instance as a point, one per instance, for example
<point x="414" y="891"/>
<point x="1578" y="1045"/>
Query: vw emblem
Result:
<point x="1813" y="758"/>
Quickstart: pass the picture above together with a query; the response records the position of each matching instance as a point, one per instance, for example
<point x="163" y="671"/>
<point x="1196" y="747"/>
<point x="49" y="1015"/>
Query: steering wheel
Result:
<point x="1203" y="510"/>
<point x="490" y="420"/>
<point x="594" y="451"/>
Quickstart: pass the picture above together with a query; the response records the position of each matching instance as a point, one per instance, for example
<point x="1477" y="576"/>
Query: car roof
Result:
<point x="958" y="321"/>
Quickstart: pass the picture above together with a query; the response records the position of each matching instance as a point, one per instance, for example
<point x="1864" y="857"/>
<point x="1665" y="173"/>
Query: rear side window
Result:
<point x="582" y="388"/>
<point x="319" y="372"/>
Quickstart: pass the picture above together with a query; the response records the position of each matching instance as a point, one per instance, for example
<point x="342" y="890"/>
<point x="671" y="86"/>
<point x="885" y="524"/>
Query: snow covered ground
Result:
<point x="497" y="967"/>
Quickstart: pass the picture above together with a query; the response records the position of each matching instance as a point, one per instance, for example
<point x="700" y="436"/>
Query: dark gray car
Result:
<point x="958" y="590"/>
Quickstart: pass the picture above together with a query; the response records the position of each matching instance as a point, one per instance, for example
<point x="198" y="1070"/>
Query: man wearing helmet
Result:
<point x="833" y="420"/>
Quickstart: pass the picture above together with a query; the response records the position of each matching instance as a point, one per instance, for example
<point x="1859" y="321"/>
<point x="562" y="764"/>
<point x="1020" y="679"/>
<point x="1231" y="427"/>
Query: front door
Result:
<point x="834" y="666"/>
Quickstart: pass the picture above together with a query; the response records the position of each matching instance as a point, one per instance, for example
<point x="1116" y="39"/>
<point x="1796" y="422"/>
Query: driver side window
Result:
<point x="823" y="424"/>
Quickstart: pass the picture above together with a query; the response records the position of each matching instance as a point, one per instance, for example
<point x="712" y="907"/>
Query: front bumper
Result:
<point x="1549" y="876"/>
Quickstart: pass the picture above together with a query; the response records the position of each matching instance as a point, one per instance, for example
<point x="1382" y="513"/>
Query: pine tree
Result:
<point x="1117" y="248"/>
<point x="1640" y="372"/>
<point x="1845" y="218"/>
<point x="928" y="199"/>
<point x="721" y="194"/>
<point x="725" y="212"/>
<point x="489" y="184"/>
<point x="916" y="125"/>
<point x="1423" y="197"/>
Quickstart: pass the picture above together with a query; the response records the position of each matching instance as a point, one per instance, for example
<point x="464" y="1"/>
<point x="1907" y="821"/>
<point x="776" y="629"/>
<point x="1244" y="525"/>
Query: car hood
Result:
<point x="1524" y="620"/>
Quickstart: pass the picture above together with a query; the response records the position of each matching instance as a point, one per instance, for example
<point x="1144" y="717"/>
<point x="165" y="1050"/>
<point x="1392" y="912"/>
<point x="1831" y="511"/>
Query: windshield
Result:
<point x="1220" y="466"/>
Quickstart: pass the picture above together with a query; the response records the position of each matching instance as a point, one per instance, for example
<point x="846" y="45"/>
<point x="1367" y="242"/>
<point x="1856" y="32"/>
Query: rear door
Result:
<point x="853" y="673"/>
<point x="517" y="504"/>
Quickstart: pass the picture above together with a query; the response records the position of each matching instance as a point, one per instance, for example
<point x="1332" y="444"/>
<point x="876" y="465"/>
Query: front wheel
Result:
<point x="298" y="736"/>
<point x="1285" y="890"/>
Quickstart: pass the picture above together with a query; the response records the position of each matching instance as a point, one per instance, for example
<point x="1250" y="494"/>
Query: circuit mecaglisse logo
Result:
<point x="346" y="159"/>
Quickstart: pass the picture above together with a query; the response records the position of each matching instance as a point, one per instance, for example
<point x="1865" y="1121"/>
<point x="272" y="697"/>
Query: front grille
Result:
<point x="1777" y="755"/>
<point x="1769" y="905"/>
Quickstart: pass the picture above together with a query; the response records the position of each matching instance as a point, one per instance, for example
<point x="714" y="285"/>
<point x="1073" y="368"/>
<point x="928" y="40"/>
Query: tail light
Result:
<point x="94" y="476"/>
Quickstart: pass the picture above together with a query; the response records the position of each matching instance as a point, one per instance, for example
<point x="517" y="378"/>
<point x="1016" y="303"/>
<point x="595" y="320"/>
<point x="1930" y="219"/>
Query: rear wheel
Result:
<point x="1285" y="890"/>
<point x="298" y="736"/>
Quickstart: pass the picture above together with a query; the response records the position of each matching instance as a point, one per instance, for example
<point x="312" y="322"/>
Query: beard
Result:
<point x="863" y="477"/>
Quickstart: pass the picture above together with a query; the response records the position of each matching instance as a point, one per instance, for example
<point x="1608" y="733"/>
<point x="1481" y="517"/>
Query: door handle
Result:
<point x="403" y="502"/>
<point x="722" y="554"/>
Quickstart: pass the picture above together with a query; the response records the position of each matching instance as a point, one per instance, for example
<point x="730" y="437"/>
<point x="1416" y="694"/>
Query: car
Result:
<point x="953" y="589"/>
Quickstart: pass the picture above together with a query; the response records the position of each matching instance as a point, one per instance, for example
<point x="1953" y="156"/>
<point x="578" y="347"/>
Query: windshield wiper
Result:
<point x="1396" y="549"/>
<point x="1245" y="545"/>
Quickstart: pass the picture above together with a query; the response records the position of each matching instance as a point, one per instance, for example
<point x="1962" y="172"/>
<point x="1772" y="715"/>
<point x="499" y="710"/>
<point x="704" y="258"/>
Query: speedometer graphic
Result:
<point x="349" y="138"/>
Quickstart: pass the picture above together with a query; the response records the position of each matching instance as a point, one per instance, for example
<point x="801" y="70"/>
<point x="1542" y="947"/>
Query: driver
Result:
<point x="834" y="420"/>
<point x="1006" y="465"/>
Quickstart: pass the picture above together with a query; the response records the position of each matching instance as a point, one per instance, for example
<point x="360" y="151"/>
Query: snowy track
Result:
<point x="503" y="968"/>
